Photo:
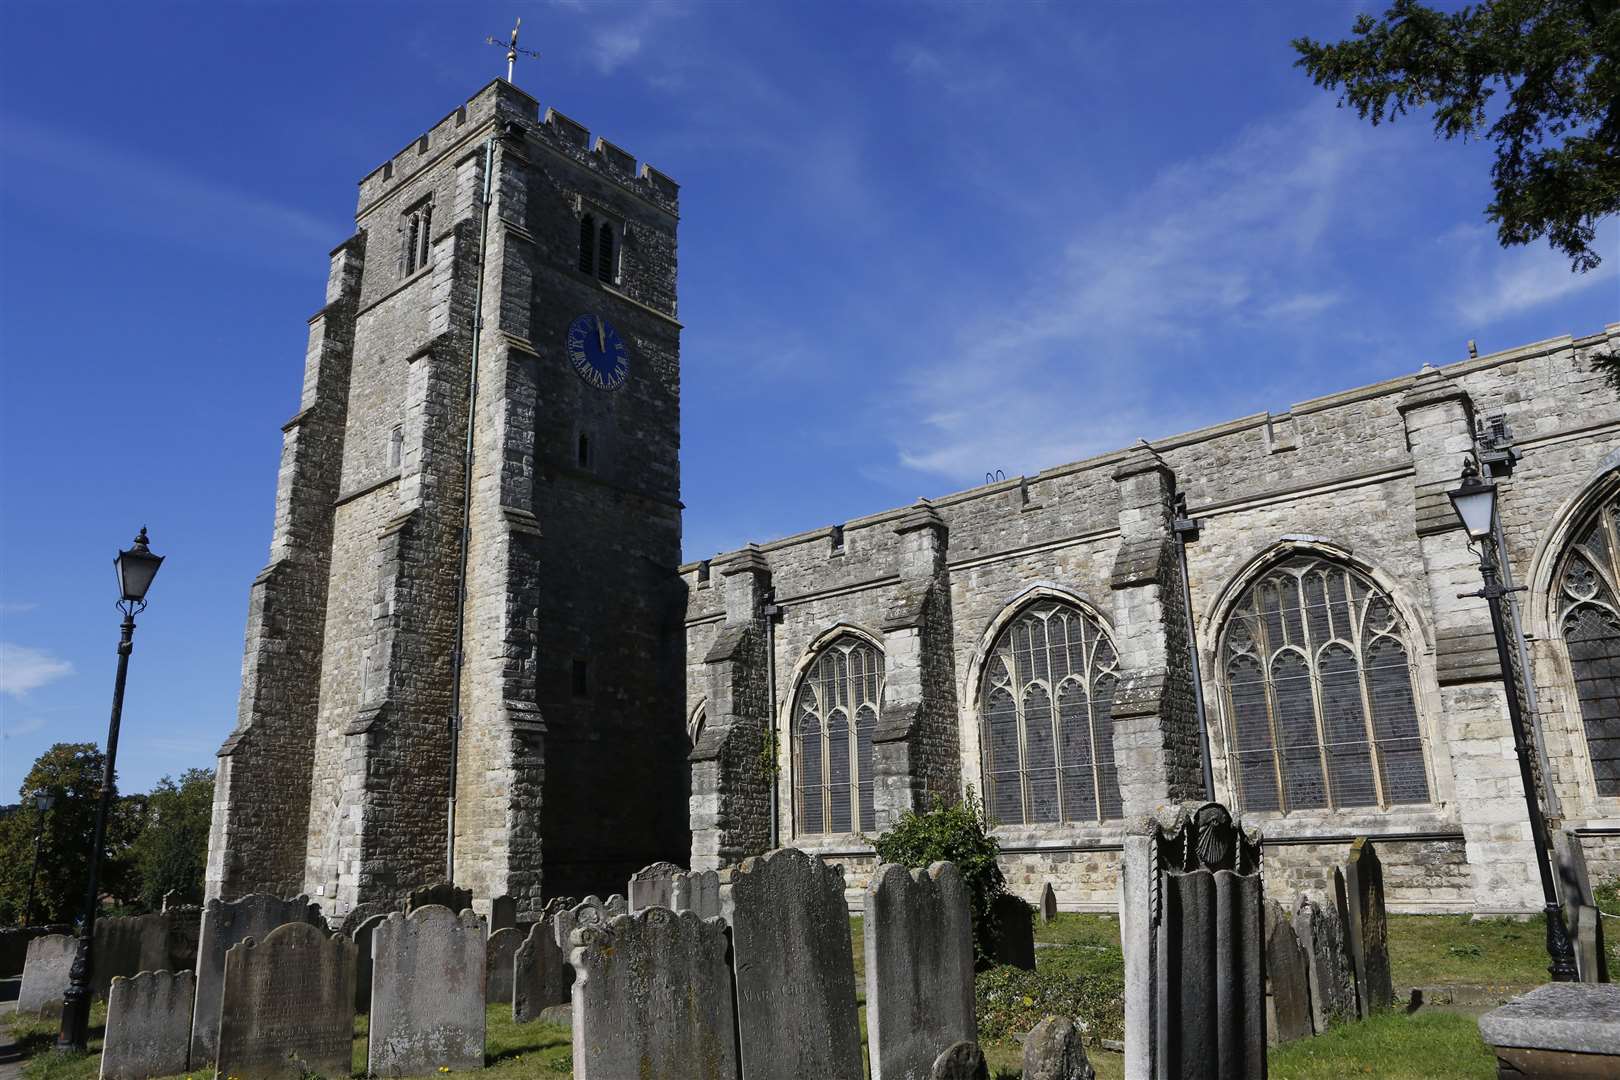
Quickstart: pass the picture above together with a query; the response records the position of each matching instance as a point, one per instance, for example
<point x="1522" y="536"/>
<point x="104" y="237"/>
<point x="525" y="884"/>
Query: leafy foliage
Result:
<point x="71" y="772"/>
<point x="1557" y="134"/>
<point x="1012" y="1000"/>
<point x="172" y="847"/>
<point x="958" y="833"/>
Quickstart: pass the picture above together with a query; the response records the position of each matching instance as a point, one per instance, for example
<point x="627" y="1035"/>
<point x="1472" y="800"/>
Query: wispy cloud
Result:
<point x="24" y="668"/>
<point x="621" y="31"/>
<point x="1495" y="283"/>
<point x="17" y="607"/>
<point x="23" y="727"/>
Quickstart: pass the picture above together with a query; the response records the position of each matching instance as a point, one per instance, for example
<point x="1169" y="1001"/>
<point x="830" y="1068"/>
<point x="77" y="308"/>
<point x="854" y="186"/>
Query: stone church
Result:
<point x="474" y="650"/>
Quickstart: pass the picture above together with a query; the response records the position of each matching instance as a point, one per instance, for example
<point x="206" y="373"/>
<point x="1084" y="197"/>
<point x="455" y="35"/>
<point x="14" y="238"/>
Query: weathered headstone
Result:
<point x="1581" y="915"/>
<point x="226" y="923"/>
<point x="1333" y="989"/>
<point x="427" y="992"/>
<point x="558" y="903"/>
<point x="1194" y="937"/>
<point x="502" y="914"/>
<point x="441" y="893"/>
<point x="540" y="973"/>
<point x="1056" y="1050"/>
<point x="148" y="1025"/>
<point x="1586" y="933"/>
<point x="652" y="886"/>
<point x="918" y="929"/>
<point x="1368" y="929"/>
<point x="697" y="892"/>
<point x="960" y="1061"/>
<point x="129" y="944"/>
<point x="45" y="975"/>
<point x="1288" y="993"/>
<point x="500" y="953"/>
<point x="185" y="932"/>
<point x="288" y="1005"/>
<point x="1561" y="1031"/>
<point x="653" y="999"/>
<point x="794" y="968"/>
<point x="362" y="962"/>
<point x="1015" y="931"/>
<point x="591" y="911"/>
<point x="1048" y="903"/>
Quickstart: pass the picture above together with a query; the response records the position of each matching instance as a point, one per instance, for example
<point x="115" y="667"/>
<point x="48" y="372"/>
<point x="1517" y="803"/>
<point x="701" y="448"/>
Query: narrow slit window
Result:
<point x="396" y="446"/>
<point x="584" y="450"/>
<point x="582" y="678"/>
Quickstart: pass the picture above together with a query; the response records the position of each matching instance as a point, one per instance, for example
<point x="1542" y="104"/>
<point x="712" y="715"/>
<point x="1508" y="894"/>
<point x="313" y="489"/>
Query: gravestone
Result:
<point x="653" y="999"/>
<point x="148" y="1025"/>
<point x="591" y="911"/>
<point x="1362" y="880"/>
<point x="540" y="973"/>
<point x="500" y="953"/>
<point x="652" y="886"/>
<point x="1015" y="931"/>
<point x="1193" y="932"/>
<point x="288" y="1005"/>
<point x="960" y="1061"/>
<point x="224" y="924"/>
<point x="129" y="944"/>
<point x="442" y="893"/>
<point x="795" y="977"/>
<point x="502" y="914"/>
<point x="362" y="963"/>
<point x="697" y="892"/>
<point x="427" y="992"/>
<point x="1056" y="1050"/>
<point x="14" y="945"/>
<point x="46" y="971"/>
<point x="1288" y="993"/>
<point x="918" y="930"/>
<point x="1048" y="907"/>
<point x="1586" y="933"/>
<point x="1332" y="985"/>
<point x="558" y="903"/>
<point x="1561" y="1031"/>
<point x="1581" y="916"/>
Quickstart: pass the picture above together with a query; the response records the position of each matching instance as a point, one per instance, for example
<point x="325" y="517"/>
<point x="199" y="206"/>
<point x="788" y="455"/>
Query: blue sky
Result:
<point x="919" y="242"/>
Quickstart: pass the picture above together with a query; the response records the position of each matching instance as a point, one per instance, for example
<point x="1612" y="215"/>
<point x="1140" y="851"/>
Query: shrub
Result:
<point x="957" y="833"/>
<point x="1012" y="1000"/>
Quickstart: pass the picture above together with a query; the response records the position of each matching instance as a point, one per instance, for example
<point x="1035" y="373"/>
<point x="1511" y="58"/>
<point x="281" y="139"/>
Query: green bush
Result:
<point x="1012" y="1000"/>
<point x="957" y="833"/>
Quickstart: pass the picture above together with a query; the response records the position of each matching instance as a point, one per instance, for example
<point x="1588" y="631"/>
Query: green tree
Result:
<point x="1557" y="133"/>
<point x="172" y="847"/>
<point x="958" y="833"/>
<point x="72" y="773"/>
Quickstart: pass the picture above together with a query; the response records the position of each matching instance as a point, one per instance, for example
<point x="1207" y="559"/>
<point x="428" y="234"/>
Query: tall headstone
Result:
<point x="1194" y="940"/>
<point x="651" y="886"/>
<point x="129" y="944"/>
<point x="1056" y="1050"/>
<point x="697" y="892"/>
<point x="288" y="1005"/>
<point x="502" y="914"/>
<point x="653" y="999"/>
<point x="918" y="929"/>
<point x="960" y="1061"/>
<point x="226" y="923"/>
<point x="1288" y="993"/>
<point x="1581" y="915"/>
<point x="427" y="992"/>
<point x="500" y="953"/>
<point x="591" y="911"/>
<point x="1048" y="903"/>
<point x="540" y="973"/>
<point x="1015" y="931"/>
<point x="45" y="975"/>
<point x="1368" y="929"/>
<point x="441" y="893"/>
<point x="362" y="963"/>
<point x="148" y="1025"/>
<point x="794" y="967"/>
<point x="1586" y="932"/>
<point x="1333" y="987"/>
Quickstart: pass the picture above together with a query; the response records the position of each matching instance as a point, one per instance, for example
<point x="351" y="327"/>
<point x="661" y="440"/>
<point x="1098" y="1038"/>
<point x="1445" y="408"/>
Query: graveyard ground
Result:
<point x="1496" y="959"/>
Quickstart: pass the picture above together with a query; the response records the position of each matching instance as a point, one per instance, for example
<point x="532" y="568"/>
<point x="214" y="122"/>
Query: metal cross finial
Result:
<point x="512" y="49"/>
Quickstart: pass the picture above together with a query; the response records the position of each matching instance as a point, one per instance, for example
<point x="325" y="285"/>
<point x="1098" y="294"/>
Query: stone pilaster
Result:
<point x="1474" y="727"/>
<point x="261" y="792"/>
<point x="731" y="765"/>
<point x="915" y="747"/>
<point x="1156" y="744"/>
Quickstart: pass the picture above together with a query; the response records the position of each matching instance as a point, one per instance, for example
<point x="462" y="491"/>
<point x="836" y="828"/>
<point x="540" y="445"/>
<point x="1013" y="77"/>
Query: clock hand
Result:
<point x="601" y="334"/>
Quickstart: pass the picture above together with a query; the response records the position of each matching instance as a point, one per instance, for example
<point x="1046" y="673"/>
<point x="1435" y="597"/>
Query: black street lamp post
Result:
<point x="43" y="801"/>
<point x="1474" y="500"/>
<point x="136" y="567"/>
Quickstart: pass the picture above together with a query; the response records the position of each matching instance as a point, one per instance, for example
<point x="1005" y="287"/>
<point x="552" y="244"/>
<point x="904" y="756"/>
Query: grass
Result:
<point x="1432" y="950"/>
<point x="1394" y="1046"/>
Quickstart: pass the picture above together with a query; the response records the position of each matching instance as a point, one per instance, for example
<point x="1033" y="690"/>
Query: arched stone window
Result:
<point x="1045" y="700"/>
<point x="834" y="715"/>
<point x="1588" y="606"/>
<point x="1317" y="678"/>
<point x="694" y="726"/>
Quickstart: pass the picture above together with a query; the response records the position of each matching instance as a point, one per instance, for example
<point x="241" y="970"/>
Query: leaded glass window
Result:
<point x="1317" y="678"/>
<point x="1588" y="606"/>
<point x="1046" y="704"/>
<point x="835" y="713"/>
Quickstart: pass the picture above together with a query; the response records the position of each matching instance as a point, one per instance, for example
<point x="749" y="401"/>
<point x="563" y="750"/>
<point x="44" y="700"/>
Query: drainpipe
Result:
<point x="772" y="610"/>
<point x="1186" y="530"/>
<point x="466" y="522"/>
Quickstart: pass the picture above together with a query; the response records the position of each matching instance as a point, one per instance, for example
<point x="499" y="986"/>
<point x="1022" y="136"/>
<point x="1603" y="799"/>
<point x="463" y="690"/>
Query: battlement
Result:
<point x="503" y="102"/>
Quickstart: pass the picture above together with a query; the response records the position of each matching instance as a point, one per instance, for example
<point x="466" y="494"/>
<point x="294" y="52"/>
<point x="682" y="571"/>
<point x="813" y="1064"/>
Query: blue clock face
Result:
<point x="598" y="353"/>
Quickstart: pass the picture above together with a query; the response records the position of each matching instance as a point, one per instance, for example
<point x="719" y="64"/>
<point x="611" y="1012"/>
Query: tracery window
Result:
<point x="416" y="238"/>
<point x="694" y="726"/>
<point x="1317" y="677"/>
<point x="1046" y="701"/>
<point x="835" y="714"/>
<point x="1588" y="607"/>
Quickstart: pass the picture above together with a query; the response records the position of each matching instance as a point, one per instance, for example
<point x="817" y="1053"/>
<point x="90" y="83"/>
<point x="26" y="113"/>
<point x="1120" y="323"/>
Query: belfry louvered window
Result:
<point x="606" y="268"/>
<point x="833" y="719"/>
<point x="587" y="244"/>
<point x="1588" y="606"/>
<point x="1046" y="702"/>
<point x="416" y="238"/>
<point x="1320" y="707"/>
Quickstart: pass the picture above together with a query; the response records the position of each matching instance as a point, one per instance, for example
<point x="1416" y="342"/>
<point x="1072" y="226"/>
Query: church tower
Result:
<point x="477" y="518"/>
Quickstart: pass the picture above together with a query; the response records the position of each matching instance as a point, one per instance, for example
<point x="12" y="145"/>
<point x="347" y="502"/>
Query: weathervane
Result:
<point x="512" y="49"/>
